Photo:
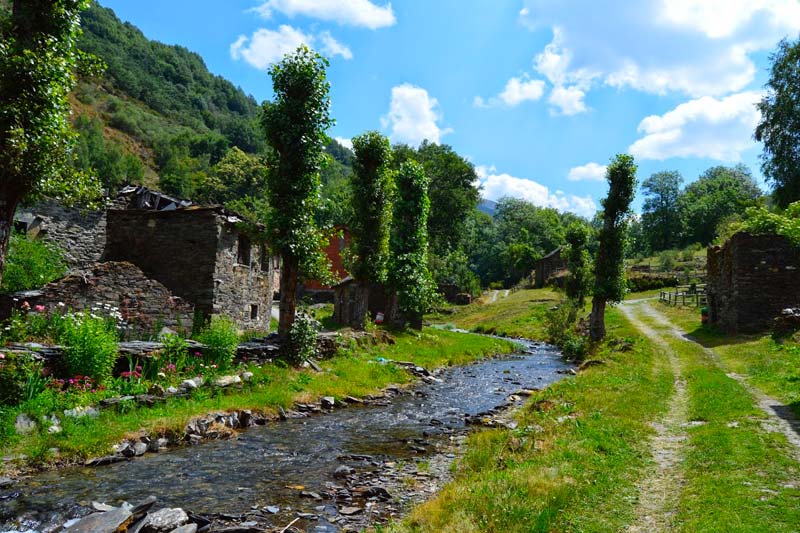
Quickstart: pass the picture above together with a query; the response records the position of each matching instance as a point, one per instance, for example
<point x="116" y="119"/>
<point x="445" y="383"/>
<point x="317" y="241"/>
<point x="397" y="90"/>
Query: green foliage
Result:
<point x="578" y="262"/>
<point x="302" y="340"/>
<point x="221" y="340"/>
<point x="609" y="268"/>
<point x="31" y="264"/>
<point x="759" y="220"/>
<point x="666" y="260"/>
<point x="38" y="59"/>
<point x="408" y="271"/>
<point x="371" y="184"/>
<point x="98" y="156"/>
<point x="779" y="127"/>
<point x="90" y="345"/>
<point x="561" y="331"/>
<point x="643" y="281"/>
<point x="660" y="216"/>
<point x="295" y="125"/>
<point x="20" y="378"/>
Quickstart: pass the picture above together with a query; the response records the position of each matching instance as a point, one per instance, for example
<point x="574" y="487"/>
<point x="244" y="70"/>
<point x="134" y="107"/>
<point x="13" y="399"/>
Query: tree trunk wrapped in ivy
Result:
<point x="609" y="268"/>
<point x="408" y="272"/>
<point x="295" y="125"/>
<point x="577" y="285"/>
<point x="38" y="58"/>
<point x="371" y="184"/>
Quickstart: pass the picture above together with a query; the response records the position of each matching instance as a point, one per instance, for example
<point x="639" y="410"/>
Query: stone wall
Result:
<point x="750" y="280"/>
<point x="145" y="304"/>
<point x="549" y="265"/>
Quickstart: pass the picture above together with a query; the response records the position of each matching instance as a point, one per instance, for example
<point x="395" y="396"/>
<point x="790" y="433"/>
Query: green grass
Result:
<point x="573" y="463"/>
<point x="738" y="477"/>
<point x="520" y="314"/>
<point x="356" y="371"/>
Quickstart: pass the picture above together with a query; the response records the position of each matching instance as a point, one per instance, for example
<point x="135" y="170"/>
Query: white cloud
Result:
<point x="704" y="127"/>
<point x="516" y="91"/>
<point x="266" y="46"/>
<point x="361" y="13"/>
<point x="496" y="186"/>
<point x="589" y="172"/>
<point x="567" y="100"/>
<point x="332" y="47"/>
<point x="413" y="116"/>
<point x="695" y="47"/>
<point x="347" y="143"/>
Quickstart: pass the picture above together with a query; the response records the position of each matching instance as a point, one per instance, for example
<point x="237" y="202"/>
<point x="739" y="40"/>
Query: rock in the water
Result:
<point x="165" y="520"/>
<point x="24" y="424"/>
<point x="102" y="461"/>
<point x="273" y="509"/>
<point x="349" y="511"/>
<point x="139" y="448"/>
<point x="108" y="522"/>
<point x="6" y="482"/>
<point x="141" y="508"/>
<point x="342" y="471"/>
<point x="328" y="402"/>
<point x="81" y="411"/>
<point x="188" y="528"/>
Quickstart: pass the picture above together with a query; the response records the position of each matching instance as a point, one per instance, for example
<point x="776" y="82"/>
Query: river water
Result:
<point x="256" y="469"/>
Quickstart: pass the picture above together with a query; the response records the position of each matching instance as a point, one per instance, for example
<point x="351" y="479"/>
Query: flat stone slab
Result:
<point x="109" y="522"/>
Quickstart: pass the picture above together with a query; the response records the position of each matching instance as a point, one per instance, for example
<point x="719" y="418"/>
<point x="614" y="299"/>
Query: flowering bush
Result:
<point x="302" y="343"/>
<point x="90" y="345"/>
<point x="221" y="341"/>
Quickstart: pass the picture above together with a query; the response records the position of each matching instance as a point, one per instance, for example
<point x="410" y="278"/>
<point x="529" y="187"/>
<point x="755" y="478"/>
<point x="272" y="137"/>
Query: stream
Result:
<point x="270" y="475"/>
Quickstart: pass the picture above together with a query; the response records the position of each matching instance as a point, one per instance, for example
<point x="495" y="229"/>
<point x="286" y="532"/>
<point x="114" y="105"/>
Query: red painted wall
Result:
<point x="336" y="245"/>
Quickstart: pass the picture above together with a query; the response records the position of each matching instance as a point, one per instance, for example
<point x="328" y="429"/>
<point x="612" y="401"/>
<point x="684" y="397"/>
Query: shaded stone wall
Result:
<point x="549" y="265"/>
<point x="751" y="278"/>
<point x="145" y="304"/>
<point x="242" y="291"/>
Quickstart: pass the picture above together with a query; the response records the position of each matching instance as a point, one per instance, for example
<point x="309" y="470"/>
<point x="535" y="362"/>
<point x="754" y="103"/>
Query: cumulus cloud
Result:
<point x="567" y="100"/>
<point x="516" y="91"/>
<point x="362" y="13"/>
<point x="413" y="116"/>
<point x="588" y="172"/>
<point x="266" y="47"/>
<point x="696" y="47"/>
<point x="332" y="47"/>
<point x="704" y="127"/>
<point x="496" y="186"/>
<point x="347" y="143"/>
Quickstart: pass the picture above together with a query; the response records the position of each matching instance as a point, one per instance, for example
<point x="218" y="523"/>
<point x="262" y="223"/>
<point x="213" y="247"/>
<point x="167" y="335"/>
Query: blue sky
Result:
<point x="538" y="94"/>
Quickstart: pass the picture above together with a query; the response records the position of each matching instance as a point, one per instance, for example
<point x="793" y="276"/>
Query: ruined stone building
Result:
<point x="548" y="266"/>
<point x="198" y="254"/>
<point x="751" y="279"/>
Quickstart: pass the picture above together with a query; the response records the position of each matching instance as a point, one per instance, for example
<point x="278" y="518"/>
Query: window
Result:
<point x="243" y="252"/>
<point x="264" y="258"/>
<point x="253" y="312"/>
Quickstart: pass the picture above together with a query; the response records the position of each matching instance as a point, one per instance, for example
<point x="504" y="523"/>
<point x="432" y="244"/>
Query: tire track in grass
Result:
<point x="780" y="418"/>
<point x="659" y="492"/>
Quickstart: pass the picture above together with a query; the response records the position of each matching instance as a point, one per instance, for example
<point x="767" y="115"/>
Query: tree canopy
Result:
<point x="661" y="220"/>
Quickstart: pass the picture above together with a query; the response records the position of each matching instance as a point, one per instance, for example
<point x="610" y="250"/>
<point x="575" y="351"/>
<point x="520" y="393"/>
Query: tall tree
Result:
<point x="295" y="124"/>
<point x="716" y="195"/>
<point x="38" y="58"/>
<point x="779" y="128"/>
<point x="577" y="285"/>
<point x="408" y="272"/>
<point x="609" y="268"/>
<point x="372" y="211"/>
<point x="661" y="221"/>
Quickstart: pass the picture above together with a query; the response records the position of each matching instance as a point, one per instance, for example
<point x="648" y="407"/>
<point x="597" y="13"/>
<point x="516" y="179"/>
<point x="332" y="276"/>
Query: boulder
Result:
<point x="227" y="381"/>
<point x="24" y="424"/>
<point x="81" y="411"/>
<point x="165" y="520"/>
<point x="328" y="402"/>
<point x="107" y="522"/>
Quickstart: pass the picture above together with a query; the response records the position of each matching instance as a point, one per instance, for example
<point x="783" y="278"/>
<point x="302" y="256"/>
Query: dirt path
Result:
<point x="780" y="418"/>
<point x="659" y="491"/>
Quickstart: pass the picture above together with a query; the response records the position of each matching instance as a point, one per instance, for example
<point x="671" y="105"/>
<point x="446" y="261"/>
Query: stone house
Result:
<point x="201" y="255"/>
<point x="751" y="279"/>
<point x="548" y="266"/>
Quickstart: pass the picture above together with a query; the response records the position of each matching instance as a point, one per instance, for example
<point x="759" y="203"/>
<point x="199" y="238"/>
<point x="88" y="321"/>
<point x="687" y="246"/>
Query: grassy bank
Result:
<point x="579" y="450"/>
<point x="355" y="371"/>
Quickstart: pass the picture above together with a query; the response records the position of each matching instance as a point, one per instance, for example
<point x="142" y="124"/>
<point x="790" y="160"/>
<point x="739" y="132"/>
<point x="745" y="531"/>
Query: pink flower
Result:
<point x="26" y="305"/>
<point x="2" y="355"/>
<point x="40" y="308"/>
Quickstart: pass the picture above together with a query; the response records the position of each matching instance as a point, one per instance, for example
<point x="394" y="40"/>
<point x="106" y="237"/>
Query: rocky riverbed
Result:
<point x="323" y="468"/>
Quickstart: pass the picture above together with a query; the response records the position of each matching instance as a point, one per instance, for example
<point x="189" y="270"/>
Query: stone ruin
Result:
<point x="751" y="280"/>
<point x="548" y="266"/>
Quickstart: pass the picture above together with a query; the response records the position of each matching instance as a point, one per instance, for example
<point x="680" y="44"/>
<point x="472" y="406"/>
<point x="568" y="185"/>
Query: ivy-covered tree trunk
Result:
<point x="288" y="306"/>
<point x="9" y="200"/>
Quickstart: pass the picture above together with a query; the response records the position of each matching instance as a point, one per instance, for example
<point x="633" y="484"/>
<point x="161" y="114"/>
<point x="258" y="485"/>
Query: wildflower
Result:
<point x="2" y="355"/>
<point x="40" y="308"/>
<point x="26" y="305"/>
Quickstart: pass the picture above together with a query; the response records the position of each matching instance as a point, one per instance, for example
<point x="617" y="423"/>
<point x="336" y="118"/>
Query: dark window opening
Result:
<point x="243" y="252"/>
<point x="253" y="312"/>
<point x="264" y="258"/>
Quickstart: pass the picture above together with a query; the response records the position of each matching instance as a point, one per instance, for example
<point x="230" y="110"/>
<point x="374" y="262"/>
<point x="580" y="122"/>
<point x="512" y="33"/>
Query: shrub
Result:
<point x="561" y="331"/>
<point x="666" y="260"/>
<point x="302" y="341"/>
<point x="90" y="345"/>
<point x="221" y="340"/>
<point x="31" y="264"/>
<point x="175" y="351"/>
<point x="638" y="282"/>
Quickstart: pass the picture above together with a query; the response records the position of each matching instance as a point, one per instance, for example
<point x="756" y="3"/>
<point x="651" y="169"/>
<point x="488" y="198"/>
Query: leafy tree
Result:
<point x="371" y="183"/>
<point x="609" y="268"/>
<point x="38" y="58"/>
<point x="295" y="125"/>
<point x="661" y="222"/>
<point x="237" y="175"/>
<point x="577" y="286"/>
<point x="719" y="193"/>
<point x="408" y="273"/>
<point x="96" y="155"/>
<point x="779" y="128"/>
